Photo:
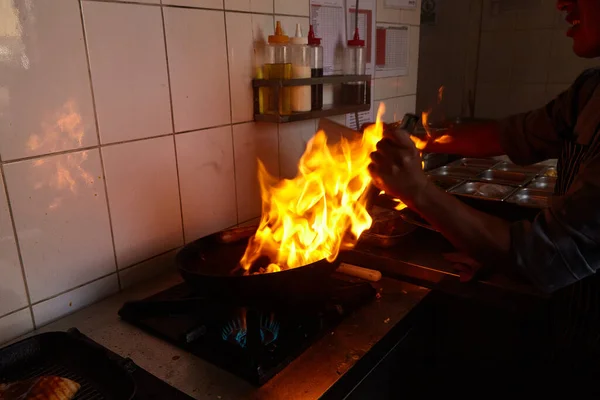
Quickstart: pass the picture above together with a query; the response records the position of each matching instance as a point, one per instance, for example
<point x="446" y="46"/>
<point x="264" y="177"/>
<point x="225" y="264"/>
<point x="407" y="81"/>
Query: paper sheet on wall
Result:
<point x="366" y="29"/>
<point x="327" y="19"/>
<point x="400" y="4"/>
<point x="392" y="51"/>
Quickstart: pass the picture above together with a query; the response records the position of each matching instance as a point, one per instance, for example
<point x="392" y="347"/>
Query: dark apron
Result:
<point x="575" y="309"/>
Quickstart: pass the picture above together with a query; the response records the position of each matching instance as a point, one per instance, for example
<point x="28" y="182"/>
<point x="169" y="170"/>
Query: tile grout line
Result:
<point x="97" y="125"/>
<point x="15" y="311"/>
<point x="101" y="146"/>
<point x="150" y="258"/>
<point x="141" y="3"/>
<point x="237" y="213"/>
<point x="75" y="288"/>
<point x="18" y="245"/>
<point x="164" y="28"/>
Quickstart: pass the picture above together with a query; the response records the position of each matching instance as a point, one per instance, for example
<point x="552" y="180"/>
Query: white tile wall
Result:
<point x="143" y="228"/>
<point x="253" y="141"/>
<point x="52" y="309"/>
<point x="12" y="287"/>
<point x="15" y="324"/>
<point x="207" y="179"/>
<point x="129" y="70"/>
<point x="198" y="68"/>
<point x="127" y="131"/>
<point x="217" y="4"/>
<point x="45" y="102"/>
<point x="60" y="213"/>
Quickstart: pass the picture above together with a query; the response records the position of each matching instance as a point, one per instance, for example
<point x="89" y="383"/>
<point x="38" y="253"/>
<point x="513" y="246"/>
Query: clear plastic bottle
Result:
<point x="300" y="69"/>
<point x="355" y="64"/>
<point x="278" y="66"/>
<point x="316" y="69"/>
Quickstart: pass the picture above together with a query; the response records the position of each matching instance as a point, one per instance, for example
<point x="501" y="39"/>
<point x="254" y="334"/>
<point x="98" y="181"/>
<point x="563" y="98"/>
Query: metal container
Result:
<point x="482" y="190"/>
<point x="387" y="229"/>
<point x="510" y="167"/>
<point x="483" y="163"/>
<point x="530" y="198"/>
<point x="434" y="160"/>
<point x="545" y="183"/>
<point x="456" y="172"/>
<point x="445" y="182"/>
<point x="505" y="177"/>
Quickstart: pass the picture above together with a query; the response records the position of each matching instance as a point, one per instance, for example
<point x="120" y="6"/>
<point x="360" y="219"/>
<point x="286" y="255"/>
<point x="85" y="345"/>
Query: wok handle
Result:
<point x="236" y="234"/>
<point x="359" y="272"/>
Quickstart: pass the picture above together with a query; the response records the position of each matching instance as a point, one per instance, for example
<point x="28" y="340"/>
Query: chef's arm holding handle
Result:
<point x="562" y="244"/>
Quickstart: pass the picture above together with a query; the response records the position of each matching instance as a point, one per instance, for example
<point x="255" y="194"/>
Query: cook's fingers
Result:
<point x="400" y="137"/>
<point x="383" y="163"/>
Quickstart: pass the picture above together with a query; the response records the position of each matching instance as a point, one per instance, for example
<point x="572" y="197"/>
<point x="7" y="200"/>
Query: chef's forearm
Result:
<point x="483" y="236"/>
<point x="473" y="140"/>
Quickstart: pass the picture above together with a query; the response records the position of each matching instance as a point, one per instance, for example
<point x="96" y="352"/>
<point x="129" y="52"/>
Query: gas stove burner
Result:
<point x="236" y="330"/>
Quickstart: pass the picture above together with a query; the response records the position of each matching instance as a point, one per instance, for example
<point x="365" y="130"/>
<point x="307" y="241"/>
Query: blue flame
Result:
<point x="236" y="331"/>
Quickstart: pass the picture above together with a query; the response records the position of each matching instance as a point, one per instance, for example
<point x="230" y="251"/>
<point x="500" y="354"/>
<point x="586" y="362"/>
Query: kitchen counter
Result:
<point x="418" y="258"/>
<point x="307" y="377"/>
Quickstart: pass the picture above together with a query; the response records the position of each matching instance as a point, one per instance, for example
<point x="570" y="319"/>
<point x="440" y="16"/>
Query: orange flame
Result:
<point x="309" y="218"/>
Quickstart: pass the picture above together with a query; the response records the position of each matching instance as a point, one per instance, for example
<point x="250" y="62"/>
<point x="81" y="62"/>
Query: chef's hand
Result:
<point x="396" y="167"/>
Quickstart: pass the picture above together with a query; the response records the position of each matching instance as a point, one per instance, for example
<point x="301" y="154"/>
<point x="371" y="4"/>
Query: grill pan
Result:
<point x="102" y="375"/>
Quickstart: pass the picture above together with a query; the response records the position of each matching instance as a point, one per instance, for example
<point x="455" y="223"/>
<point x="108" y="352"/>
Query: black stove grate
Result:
<point x="254" y="342"/>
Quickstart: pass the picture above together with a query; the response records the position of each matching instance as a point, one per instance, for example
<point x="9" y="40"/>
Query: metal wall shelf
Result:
<point x="326" y="111"/>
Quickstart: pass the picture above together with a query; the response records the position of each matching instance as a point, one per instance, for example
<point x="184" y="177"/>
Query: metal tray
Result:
<point x="101" y="374"/>
<point x="481" y="163"/>
<point x="510" y="167"/>
<point x="387" y="229"/>
<point x="545" y="183"/>
<point x="456" y="172"/>
<point x="483" y="190"/>
<point x="530" y="198"/>
<point x="505" y="177"/>
<point x="445" y="182"/>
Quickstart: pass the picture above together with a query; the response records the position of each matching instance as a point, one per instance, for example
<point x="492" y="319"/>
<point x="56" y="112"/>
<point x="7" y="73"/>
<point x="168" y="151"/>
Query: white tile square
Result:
<point x="12" y="287"/>
<point x="148" y="269"/>
<point x="295" y="7"/>
<point x="541" y="16"/>
<point x="207" y="179"/>
<point x="495" y="57"/>
<point x="293" y="138"/>
<point x="238" y="5"/>
<point x="143" y="195"/>
<point x="526" y="97"/>
<point x="251" y="142"/>
<point x="404" y="105"/>
<point x="129" y="70"/>
<point x="261" y="6"/>
<point x="411" y="16"/>
<point x="384" y="88"/>
<point x="217" y="4"/>
<point x="45" y="94"/>
<point x="493" y="19"/>
<point x="198" y="68"/>
<point x="531" y="56"/>
<point x="240" y="46"/>
<point x="246" y="38"/>
<point x="289" y="24"/>
<point x="69" y="302"/>
<point x="14" y="325"/>
<point x="492" y="101"/>
<point x="60" y="212"/>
